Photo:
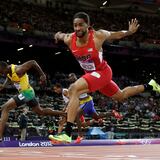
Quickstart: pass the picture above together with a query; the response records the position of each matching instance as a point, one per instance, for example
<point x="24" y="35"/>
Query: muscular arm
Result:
<point x="108" y="35"/>
<point x="25" y="67"/>
<point x="66" y="38"/>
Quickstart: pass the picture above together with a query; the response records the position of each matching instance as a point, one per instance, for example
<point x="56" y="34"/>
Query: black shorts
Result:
<point x="20" y="101"/>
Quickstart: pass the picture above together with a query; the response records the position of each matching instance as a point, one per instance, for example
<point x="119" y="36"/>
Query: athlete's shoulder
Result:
<point x="68" y="38"/>
<point x="12" y="65"/>
<point x="101" y="33"/>
<point x="68" y="35"/>
<point x="64" y="91"/>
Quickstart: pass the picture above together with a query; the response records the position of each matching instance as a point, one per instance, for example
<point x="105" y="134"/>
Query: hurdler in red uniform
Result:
<point x="98" y="72"/>
<point x="86" y="45"/>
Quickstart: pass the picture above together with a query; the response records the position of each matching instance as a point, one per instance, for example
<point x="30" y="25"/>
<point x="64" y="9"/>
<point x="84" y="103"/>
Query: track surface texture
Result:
<point x="118" y="152"/>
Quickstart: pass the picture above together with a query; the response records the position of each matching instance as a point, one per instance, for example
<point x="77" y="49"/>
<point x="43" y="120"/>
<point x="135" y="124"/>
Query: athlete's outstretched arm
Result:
<point x="109" y="35"/>
<point x="22" y="69"/>
<point x="59" y="36"/>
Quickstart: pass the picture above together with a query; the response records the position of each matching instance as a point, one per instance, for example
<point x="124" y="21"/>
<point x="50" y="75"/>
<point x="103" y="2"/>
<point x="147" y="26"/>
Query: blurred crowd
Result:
<point x="141" y="113"/>
<point x="139" y="108"/>
<point x="52" y="19"/>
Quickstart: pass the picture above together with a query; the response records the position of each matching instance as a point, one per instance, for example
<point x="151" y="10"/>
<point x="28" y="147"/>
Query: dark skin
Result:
<point x="11" y="104"/>
<point x="21" y="70"/>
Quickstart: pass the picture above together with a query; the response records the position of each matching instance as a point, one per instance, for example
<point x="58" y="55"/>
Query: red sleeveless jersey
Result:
<point x="89" y="58"/>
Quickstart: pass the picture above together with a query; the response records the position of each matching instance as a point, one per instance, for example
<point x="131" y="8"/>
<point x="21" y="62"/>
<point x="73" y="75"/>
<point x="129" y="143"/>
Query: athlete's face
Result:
<point x="80" y="27"/>
<point x="57" y="90"/>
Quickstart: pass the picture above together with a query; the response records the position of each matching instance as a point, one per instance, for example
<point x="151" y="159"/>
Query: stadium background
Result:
<point x="26" y="32"/>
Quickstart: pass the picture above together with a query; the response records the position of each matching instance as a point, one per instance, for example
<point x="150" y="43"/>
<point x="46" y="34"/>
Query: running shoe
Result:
<point x="155" y="85"/>
<point x="117" y="115"/>
<point x="79" y="140"/>
<point x="64" y="138"/>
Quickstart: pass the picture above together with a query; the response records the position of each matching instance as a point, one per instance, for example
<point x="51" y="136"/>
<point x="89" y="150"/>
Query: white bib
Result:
<point x="89" y="66"/>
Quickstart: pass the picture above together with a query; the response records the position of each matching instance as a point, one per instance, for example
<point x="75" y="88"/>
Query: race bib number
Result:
<point x="89" y="66"/>
<point x="21" y="97"/>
